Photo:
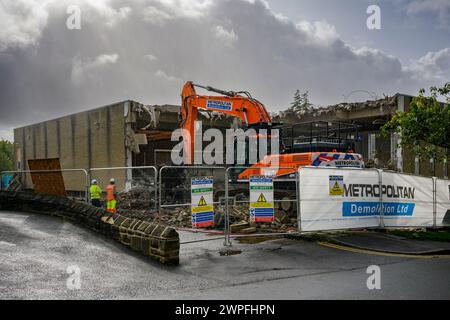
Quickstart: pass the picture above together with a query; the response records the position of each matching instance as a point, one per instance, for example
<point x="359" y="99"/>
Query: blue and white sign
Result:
<point x="202" y="206"/>
<point x="262" y="208"/>
<point x="219" y="105"/>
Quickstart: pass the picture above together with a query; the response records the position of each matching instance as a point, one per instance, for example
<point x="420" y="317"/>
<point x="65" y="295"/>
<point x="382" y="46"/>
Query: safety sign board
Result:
<point x="262" y="208"/>
<point x="336" y="184"/>
<point x="202" y="207"/>
<point x="219" y="105"/>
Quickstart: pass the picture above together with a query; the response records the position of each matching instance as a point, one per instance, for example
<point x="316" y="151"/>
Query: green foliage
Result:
<point x="425" y="127"/>
<point x="301" y="101"/>
<point x="6" y="155"/>
<point x="427" y="235"/>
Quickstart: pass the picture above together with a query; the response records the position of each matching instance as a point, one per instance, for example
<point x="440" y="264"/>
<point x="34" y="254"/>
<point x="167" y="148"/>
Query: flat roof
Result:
<point x="75" y="113"/>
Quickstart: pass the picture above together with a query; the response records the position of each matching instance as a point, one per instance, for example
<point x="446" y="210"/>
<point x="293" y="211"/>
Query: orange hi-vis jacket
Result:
<point x="110" y="191"/>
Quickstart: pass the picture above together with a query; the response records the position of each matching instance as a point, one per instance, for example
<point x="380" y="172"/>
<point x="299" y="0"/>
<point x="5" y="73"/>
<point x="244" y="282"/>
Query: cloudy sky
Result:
<point x="146" y="49"/>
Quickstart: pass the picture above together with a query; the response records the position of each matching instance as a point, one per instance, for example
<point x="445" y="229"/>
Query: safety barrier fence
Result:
<point x="20" y="177"/>
<point x="283" y="194"/>
<point x="195" y="196"/>
<point x="310" y="199"/>
<point x="138" y="186"/>
<point x="346" y="198"/>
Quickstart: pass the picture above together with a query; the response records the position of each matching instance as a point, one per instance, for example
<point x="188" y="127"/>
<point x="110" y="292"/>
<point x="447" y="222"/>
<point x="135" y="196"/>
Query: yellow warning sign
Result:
<point x="202" y="202"/>
<point x="262" y="205"/>
<point x="202" y="209"/>
<point x="336" y="185"/>
<point x="262" y="198"/>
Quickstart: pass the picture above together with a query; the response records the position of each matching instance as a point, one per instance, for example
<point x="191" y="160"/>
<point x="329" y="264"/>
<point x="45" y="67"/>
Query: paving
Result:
<point x="36" y="252"/>
<point x="391" y="243"/>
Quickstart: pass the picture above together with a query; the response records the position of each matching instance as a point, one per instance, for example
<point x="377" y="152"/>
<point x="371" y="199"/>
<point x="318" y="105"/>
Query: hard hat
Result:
<point x="112" y="180"/>
<point x="94" y="181"/>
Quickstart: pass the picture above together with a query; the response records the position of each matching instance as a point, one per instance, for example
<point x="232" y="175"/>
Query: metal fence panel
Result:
<point x="334" y="198"/>
<point x="81" y="176"/>
<point x="442" y="203"/>
<point x="136" y="186"/>
<point x="408" y="200"/>
<point x="238" y="206"/>
<point x="175" y="196"/>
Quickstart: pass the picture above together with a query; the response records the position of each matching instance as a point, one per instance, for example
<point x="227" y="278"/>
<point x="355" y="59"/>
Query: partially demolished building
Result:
<point x="370" y="116"/>
<point x="122" y="134"/>
<point x="128" y="133"/>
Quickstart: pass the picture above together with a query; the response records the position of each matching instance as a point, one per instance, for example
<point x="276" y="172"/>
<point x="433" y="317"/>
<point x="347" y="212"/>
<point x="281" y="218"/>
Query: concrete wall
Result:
<point x="94" y="138"/>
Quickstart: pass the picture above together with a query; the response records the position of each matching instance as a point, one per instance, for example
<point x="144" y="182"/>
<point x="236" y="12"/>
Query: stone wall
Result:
<point x="157" y="241"/>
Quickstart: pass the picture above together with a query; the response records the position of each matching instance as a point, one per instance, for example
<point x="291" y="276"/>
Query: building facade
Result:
<point x="377" y="150"/>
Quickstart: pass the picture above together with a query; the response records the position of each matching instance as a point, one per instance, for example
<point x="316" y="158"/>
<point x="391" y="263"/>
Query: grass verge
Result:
<point x="423" y="235"/>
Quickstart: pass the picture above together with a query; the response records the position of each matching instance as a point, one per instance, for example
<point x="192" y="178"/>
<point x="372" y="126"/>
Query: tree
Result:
<point x="6" y="155"/>
<point x="425" y="127"/>
<point x="301" y="102"/>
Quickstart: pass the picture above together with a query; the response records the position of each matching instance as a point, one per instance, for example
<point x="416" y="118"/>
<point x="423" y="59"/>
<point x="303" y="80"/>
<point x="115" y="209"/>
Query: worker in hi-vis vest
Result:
<point x="96" y="194"/>
<point x="111" y="197"/>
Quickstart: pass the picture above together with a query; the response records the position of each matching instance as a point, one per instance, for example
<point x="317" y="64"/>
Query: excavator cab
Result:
<point x="320" y="136"/>
<point x="316" y="143"/>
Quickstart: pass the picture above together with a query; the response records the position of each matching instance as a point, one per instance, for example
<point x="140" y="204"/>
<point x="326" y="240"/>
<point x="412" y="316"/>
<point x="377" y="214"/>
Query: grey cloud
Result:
<point x="434" y="65"/>
<point x="441" y="8"/>
<point x="233" y="44"/>
<point x="21" y="22"/>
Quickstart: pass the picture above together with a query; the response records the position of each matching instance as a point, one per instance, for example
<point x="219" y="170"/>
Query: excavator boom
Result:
<point x="249" y="110"/>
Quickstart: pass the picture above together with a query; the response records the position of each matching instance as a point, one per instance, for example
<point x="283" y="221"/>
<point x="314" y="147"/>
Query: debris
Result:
<point x="138" y="203"/>
<point x="248" y="230"/>
<point x="138" y="198"/>
<point x="239" y="226"/>
<point x="252" y="240"/>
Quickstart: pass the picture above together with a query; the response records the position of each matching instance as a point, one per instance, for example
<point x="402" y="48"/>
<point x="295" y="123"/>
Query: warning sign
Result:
<point x="262" y="207"/>
<point x="202" y="207"/>
<point x="202" y="202"/>
<point x="262" y="198"/>
<point x="336" y="184"/>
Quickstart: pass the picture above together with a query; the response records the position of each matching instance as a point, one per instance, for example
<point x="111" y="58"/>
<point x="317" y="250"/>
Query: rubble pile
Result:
<point x="138" y="198"/>
<point x="239" y="220"/>
<point x="386" y="104"/>
<point x="139" y="203"/>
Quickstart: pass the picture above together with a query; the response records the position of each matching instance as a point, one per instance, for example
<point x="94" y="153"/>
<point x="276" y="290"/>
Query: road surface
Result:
<point x="37" y="251"/>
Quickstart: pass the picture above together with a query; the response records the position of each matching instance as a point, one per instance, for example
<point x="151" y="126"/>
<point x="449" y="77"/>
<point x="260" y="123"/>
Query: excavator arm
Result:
<point x="237" y="104"/>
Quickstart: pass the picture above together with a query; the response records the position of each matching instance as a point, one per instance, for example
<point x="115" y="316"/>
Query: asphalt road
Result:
<point x="36" y="251"/>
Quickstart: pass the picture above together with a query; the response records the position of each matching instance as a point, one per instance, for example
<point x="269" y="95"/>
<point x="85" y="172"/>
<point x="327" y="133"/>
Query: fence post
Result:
<point x="380" y="184"/>
<point x="87" y="172"/>
<point x="434" y="179"/>
<point x="159" y="188"/>
<point x="227" y="213"/>
<point x="156" y="188"/>
<point x="297" y="188"/>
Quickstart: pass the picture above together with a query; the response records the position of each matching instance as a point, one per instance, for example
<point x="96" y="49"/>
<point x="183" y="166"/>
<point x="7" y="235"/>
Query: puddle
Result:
<point x="229" y="252"/>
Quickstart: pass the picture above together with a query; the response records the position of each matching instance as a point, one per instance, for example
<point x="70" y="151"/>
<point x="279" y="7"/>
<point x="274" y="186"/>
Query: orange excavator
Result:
<point x="321" y="144"/>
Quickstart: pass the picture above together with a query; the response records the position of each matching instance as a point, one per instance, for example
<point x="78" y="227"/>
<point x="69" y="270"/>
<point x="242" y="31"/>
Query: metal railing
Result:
<point x="228" y="233"/>
<point x="85" y="171"/>
<point x="440" y="196"/>
<point x="130" y="178"/>
<point x="180" y="167"/>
